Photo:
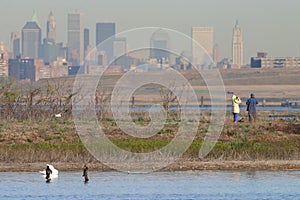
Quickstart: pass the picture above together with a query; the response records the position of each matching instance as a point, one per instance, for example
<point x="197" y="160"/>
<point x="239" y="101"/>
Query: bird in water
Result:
<point x="85" y="174"/>
<point x="52" y="174"/>
<point x="48" y="174"/>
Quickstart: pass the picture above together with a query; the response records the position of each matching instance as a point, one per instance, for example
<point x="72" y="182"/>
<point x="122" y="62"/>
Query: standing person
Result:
<point x="251" y="107"/>
<point x="236" y="108"/>
<point x="48" y="174"/>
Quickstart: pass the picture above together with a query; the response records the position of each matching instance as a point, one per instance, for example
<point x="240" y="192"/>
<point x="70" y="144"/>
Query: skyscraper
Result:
<point x="51" y="28"/>
<point x="237" y="47"/>
<point x="103" y="32"/>
<point x="120" y="47"/>
<point x="50" y="49"/>
<point x="203" y="36"/>
<point x="22" y="69"/>
<point x="160" y="44"/>
<point x="75" y="38"/>
<point x="31" y="38"/>
<point x="15" y="44"/>
<point x="86" y="40"/>
<point x="3" y="60"/>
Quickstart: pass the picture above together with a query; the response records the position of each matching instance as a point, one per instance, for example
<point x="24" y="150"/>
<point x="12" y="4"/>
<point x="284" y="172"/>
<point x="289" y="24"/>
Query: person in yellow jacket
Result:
<point x="236" y="108"/>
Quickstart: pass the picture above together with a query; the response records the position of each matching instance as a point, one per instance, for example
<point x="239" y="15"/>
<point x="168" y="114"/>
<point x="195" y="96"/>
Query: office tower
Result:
<point x="204" y="37"/>
<point x="120" y="47"/>
<point x="31" y="38"/>
<point x="160" y="44"/>
<point x="50" y="51"/>
<point x="75" y="38"/>
<point x="237" y="47"/>
<point x="3" y="60"/>
<point x="103" y="32"/>
<point x="51" y="28"/>
<point x="86" y="40"/>
<point x="22" y="69"/>
<point x="15" y="44"/>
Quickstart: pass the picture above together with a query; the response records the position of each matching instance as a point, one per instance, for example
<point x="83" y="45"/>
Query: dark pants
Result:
<point x="235" y="117"/>
<point x="252" y="116"/>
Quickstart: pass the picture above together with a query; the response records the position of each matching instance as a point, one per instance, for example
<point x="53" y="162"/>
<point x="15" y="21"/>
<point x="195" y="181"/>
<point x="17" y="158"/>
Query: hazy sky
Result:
<point x="267" y="25"/>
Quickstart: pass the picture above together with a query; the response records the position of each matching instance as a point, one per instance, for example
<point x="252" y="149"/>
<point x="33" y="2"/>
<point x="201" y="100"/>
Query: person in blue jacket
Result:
<point x="251" y="108"/>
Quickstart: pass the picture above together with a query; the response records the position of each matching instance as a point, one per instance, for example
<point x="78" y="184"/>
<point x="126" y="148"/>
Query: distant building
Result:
<point x="74" y="70"/>
<point x="86" y="41"/>
<point x="31" y="40"/>
<point x="237" y="47"/>
<point x="102" y="59"/>
<point x="51" y="51"/>
<point x="103" y="32"/>
<point x="262" y="61"/>
<point x="59" y="68"/>
<point x="120" y="47"/>
<point x="22" y="69"/>
<point x="75" y="38"/>
<point x="216" y="54"/>
<point x="44" y="72"/>
<point x="15" y="44"/>
<point x="3" y="60"/>
<point x="203" y="36"/>
<point x="55" y="69"/>
<point x="225" y="63"/>
<point x="51" y="28"/>
<point x="113" y="69"/>
<point x="125" y="62"/>
<point x="183" y="62"/>
<point x="160" y="44"/>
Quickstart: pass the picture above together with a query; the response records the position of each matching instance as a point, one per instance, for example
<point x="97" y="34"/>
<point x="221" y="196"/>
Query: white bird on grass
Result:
<point x="57" y="115"/>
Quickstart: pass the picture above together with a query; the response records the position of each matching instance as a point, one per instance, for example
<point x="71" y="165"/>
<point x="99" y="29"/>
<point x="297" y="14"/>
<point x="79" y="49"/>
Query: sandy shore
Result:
<point x="179" y="166"/>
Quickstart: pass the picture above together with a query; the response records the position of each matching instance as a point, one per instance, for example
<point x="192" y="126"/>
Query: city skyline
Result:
<point x="263" y="29"/>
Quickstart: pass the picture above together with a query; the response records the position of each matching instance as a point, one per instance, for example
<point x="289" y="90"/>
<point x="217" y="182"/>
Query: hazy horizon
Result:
<point x="269" y="26"/>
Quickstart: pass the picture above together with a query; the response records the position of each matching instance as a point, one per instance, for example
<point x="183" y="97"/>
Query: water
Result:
<point x="160" y="185"/>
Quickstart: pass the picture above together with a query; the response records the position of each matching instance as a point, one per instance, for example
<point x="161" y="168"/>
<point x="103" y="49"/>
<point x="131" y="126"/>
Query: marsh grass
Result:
<point x="57" y="141"/>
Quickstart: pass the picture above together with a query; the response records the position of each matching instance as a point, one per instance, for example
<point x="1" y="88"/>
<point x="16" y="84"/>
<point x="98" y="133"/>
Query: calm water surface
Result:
<point x="160" y="185"/>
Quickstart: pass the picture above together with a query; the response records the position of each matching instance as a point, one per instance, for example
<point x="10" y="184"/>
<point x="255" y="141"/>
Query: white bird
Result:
<point x="58" y="115"/>
<point x="54" y="172"/>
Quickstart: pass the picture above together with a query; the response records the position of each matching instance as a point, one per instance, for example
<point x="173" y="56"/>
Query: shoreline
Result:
<point x="284" y="165"/>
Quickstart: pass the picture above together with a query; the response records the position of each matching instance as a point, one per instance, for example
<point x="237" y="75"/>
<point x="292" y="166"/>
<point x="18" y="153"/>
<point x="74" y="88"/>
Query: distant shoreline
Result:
<point x="179" y="166"/>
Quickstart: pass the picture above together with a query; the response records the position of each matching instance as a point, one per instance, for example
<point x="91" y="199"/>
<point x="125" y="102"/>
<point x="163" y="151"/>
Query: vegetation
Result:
<point x="29" y="132"/>
<point x="56" y="140"/>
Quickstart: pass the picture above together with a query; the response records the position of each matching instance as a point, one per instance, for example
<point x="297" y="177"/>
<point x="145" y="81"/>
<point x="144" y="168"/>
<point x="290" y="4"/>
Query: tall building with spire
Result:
<point x="51" y="28"/>
<point x="31" y="38"/>
<point x="237" y="47"/>
<point x="75" y="38"/>
<point x="50" y="49"/>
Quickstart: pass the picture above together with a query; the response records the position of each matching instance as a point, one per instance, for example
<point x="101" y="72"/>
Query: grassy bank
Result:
<point x="57" y="141"/>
